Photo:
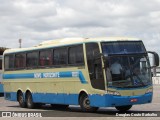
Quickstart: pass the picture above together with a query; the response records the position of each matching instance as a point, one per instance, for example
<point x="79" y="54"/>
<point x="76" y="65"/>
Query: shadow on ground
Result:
<point x="75" y="111"/>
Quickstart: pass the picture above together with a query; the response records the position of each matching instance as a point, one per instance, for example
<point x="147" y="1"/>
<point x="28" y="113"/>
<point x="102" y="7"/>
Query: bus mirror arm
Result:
<point x="156" y="58"/>
<point x="104" y="57"/>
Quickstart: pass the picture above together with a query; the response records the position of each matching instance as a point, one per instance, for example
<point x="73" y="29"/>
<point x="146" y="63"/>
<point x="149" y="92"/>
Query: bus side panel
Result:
<point x="1" y="85"/>
<point x="44" y="92"/>
<point x="71" y="99"/>
<point x="64" y="89"/>
<point x="51" y="98"/>
<point x="12" y="96"/>
<point x="1" y="88"/>
<point x="48" y="98"/>
<point x="112" y="101"/>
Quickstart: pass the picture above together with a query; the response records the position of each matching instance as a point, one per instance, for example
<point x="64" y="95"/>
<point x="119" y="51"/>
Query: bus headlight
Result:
<point x="113" y="93"/>
<point x="150" y="90"/>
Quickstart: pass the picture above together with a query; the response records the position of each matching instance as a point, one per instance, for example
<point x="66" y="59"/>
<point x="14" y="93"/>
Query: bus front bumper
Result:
<point x="113" y="100"/>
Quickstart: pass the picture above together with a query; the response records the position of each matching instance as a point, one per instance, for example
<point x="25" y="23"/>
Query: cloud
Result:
<point x="37" y="20"/>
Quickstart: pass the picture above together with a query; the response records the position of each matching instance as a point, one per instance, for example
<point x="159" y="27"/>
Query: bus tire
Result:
<point x="85" y="104"/>
<point x="21" y="100"/>
<point x="123" y="108"/>
<point x="29" y="101"/>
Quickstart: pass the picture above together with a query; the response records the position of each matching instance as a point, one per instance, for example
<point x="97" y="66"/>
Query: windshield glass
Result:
<point x="128" y="71"/>
<point x="123" y="47"/>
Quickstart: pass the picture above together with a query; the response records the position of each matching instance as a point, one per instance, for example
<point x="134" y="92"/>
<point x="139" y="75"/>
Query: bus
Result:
<point x="80" y="71"/>
<point x="2" y="49"/>
<point x="1" y="86"/>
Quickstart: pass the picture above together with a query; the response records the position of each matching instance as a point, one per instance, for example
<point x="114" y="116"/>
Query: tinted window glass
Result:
<point x="9" y="62"/>
<point x="60" y="56"/>
<point x="32" y="59"/>
<point x="95" y="66"/>
<point x="123" y="47"/>
<point x="45" y="58"/>
<point x="20" y="60"/>
<point x="76" y="55"/>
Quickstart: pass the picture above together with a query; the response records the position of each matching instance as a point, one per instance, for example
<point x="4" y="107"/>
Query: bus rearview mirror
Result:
<point x="155" y="58"/>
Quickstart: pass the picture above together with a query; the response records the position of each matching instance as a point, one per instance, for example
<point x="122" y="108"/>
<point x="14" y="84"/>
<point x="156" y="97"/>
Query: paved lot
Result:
<point x="74" y="111"/>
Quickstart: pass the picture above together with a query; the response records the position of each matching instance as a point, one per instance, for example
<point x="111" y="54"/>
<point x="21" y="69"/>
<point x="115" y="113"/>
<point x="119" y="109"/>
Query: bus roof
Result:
<point x="70" y="41"/>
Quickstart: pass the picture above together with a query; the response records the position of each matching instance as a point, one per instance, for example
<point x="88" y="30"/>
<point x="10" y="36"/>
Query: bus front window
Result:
<point x="128" y="71"/>
<point x="127" y="64"/>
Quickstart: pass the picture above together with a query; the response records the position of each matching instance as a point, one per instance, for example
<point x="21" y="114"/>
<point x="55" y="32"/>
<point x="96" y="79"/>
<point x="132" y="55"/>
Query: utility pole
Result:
<point x="20" y="43"/>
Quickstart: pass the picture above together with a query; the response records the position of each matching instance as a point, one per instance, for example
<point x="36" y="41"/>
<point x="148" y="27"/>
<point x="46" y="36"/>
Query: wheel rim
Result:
<point x="20" y="99"/>
<point x="86" y="103"/>
<point x="29" y="100"/>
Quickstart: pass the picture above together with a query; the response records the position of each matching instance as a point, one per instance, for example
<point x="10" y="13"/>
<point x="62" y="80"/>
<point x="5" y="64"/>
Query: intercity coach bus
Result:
<point x="2" y="49"/>
<point x="1" y="86"/>
<point x="90" y="72"/>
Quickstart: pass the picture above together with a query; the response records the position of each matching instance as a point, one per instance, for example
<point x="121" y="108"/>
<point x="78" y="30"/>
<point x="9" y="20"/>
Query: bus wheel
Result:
<point x="85" y="104"/>
<point x="21" y="100"/>
<point x="123" y="108"/>
<point x="29" y="101"/>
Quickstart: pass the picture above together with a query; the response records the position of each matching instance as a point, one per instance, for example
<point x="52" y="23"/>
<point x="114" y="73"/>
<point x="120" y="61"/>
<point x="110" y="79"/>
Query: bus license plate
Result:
<point x="133" y="100"/>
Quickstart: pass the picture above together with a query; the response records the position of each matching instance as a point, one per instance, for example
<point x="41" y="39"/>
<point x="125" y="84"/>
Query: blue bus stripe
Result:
<point x="18" y="76"/>
<point x="78" y="74"/>
<point x="95" y="99"/>
<point x="81" y="77"/>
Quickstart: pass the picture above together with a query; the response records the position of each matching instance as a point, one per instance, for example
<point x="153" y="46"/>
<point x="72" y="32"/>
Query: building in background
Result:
<point x="157" y="72"/>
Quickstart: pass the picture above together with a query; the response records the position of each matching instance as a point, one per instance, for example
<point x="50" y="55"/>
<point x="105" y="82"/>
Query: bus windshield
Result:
<point x="123" y="47"/>
<point x="126" y="70"/>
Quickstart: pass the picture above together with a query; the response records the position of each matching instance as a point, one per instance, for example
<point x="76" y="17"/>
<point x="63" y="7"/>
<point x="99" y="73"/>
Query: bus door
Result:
<point x="95" y="66"/>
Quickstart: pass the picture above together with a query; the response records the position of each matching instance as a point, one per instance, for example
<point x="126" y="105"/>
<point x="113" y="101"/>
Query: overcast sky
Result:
<point x="35" y="21"/>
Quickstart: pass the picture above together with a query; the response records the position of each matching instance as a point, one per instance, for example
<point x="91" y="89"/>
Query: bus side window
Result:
<point x="94" y="66"/>
<point x="32" y="59"/>
<point x="9" y="62"/>
<point x="45" y="58"/>
<point x="75" y="55"/>
<point x="20" y="60"/>
<point x="60" y="56"/>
